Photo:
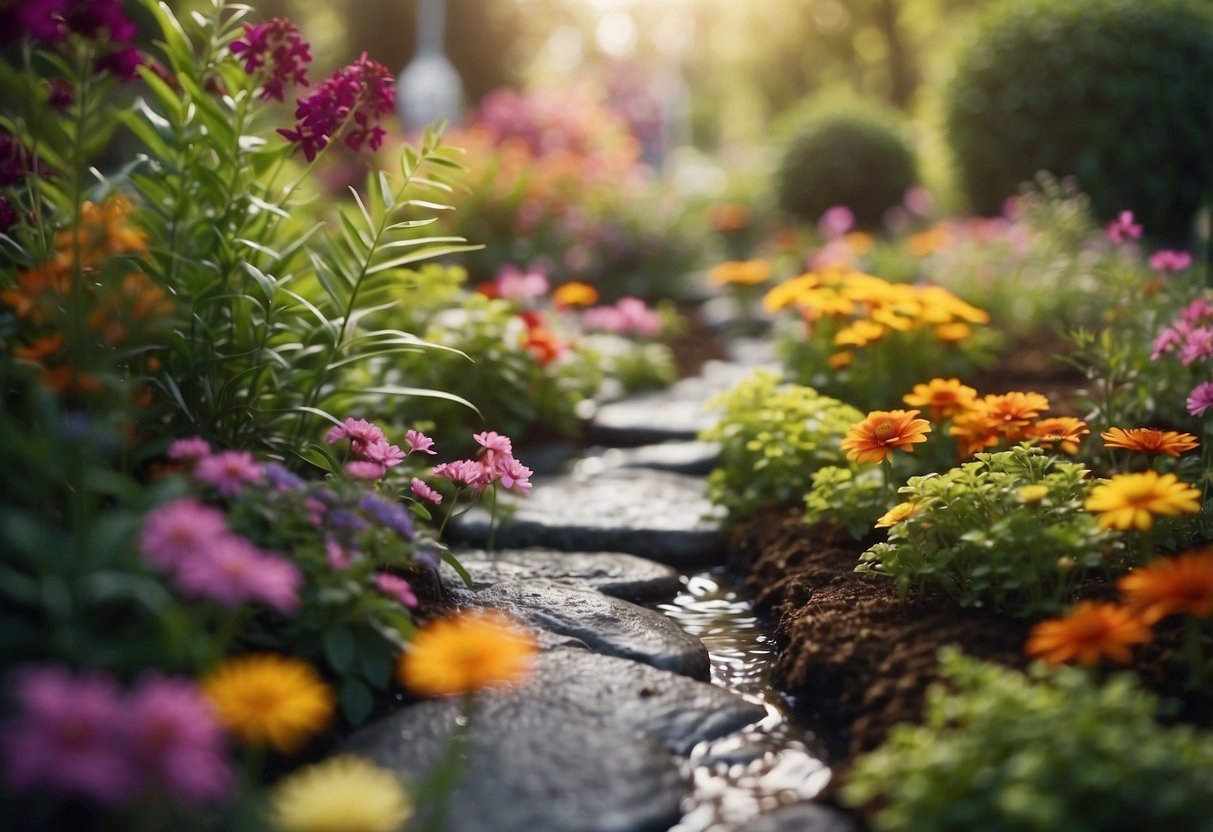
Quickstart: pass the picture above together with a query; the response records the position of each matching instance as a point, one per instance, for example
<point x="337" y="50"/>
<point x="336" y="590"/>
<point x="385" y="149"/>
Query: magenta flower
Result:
<point x="351" y="101"/>
<point x="233" y="571"/>
<point x="177" y="741"/>
<point x="316" y="509"/>
<point x="1170" y="261"/>
<point x="339" y="557"/>
<point x="1123" y="228"/>
<point x="638" y="317"/>
<point x="468" y="473"/>
<point x="17" y="162"/>
<point x="385" y="454"/>
<point x="836" y="221"/>
<point x="277" y="53"/>
<point x="360" y="432"/>
<point x="191" y="449"/>
<point x="68" y="737"/>
<point x="228" y="472"/>
<point x="365" y="469"/>
<point x="396" y="587"/>
<point x="494" y="442"/>
<point x="1197" y="344"/>
<point x="419" y="443"/>
<point x="422" y="491"/>
<point x="59" y="93"/>
<point x="513" y="475"/>
<point x="1200" y="400"/>
<point x="180" y="531"/>
<point x="516" y="285"/>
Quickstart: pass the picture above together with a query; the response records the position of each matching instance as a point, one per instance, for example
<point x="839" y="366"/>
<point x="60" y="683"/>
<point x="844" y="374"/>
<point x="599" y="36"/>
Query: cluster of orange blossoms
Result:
<point x="865" y="309"/>
<point x="1096" y="630"/>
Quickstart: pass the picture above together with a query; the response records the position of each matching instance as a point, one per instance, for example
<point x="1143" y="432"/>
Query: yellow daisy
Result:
<point x="267" y="699"/>
<point x="1131" y="501"/>
<point x="341" y="794"/>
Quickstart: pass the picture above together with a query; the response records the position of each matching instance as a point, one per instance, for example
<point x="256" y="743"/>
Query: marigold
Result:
<point x="741" y="273"/>
<point x="267" y="699"/>
<point x="1149" y="441"/>
<point x="786" y="294"/>
<point x="1130" y="501"/>
<point x="341" y="794"/>
<point x="1060" y="432"/>
<point x="574" y="293"/>
<point x="881" y="432"/>
<point x="1168" y="586"/>
<point x="466" y="653"/>
<point x="975" y="430"/>
<point x="1013" y="411"/>
<point x="898" y="513"/>
<point x="944" y="397"/>
<point x="1092" y="631"/>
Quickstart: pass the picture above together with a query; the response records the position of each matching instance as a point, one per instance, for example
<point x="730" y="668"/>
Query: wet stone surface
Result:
<point x="654" y="514"/>
<point x="687" y="457"/>
<point x="611" y="573"/>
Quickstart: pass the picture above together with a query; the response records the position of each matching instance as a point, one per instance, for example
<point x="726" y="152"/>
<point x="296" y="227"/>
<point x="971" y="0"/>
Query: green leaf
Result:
<point x="424" y="254"/>
<point x="423" y="392"/>
<point x="375" y="658"/>
<point x="340" y="648"/>
<point x="357" y="701"/>
<point x="454" y="563"/>
<point x="176" y="44"/>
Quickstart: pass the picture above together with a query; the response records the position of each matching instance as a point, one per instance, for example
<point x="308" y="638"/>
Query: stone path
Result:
<point x="600" y="737"/>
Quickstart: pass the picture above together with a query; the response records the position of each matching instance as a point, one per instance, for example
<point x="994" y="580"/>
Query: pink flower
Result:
<point x="918" y="201"/>
<point x="364" y="469"/>
<point x="419" y="443"/>
<point x="1123" y="228"/>
<point x="836" y="221"/>
<point x="638" y="317"/>
<point x="1197" y="344"/>
<point x="316" y="510"/>
<point x="68" y="737"/>
<point x="360" y="432"/>
<point x="516" y="285"/>
<point x="351" y="101"/>
<point x="188" y="450"/>
<point x="396" y="587"/>
<point x="514" y="475"/>
<point x="228" y="472"/>
<point x="1201" y="399"/>
<point x="177" y="741"/>
<point x="339" y="557"/>
<point x="1170" y="261"/>
<point x="494" y="442"/>
<point x="465" y="472"/>
<point x="277" y="52"/>
<point x="386" y="455"/>
<point x="234" y="571"/>
<point x="422" y="491"/>
<point x="179" y="531"/>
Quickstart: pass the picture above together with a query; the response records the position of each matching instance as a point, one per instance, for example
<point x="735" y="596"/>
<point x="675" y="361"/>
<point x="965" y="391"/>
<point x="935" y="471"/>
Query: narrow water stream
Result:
<point x="773" y="762"/>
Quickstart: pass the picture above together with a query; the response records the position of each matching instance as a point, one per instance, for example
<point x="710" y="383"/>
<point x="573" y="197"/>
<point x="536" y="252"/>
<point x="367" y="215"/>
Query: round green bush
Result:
<point x="1117" y="93"/>
<point x="845" y="153"/>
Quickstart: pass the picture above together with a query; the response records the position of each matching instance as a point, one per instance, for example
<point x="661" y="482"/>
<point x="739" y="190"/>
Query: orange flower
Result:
<point x="1061" y="432"/>
<point x="42" y="348"/>
<point x="728" y="216"/>
<point x="859" y="334"/>
<point x="1150" y="441"/>
<point x="741" y="272"/>
<point x="883" y="431"/>
<point x="101" y="233"/>
<point x="954" y="332"/>
<point x="1092" y="631"/>
<point x="466" y="653"/>
<point x="1182" y="584"/>
<point x="1013" y="411"/>
<point x="543" y="345"/>
<point x="1130" y="501"/>
<point x="575" y="293"/>
<point x="838" y="360"/>
<point x="898" y="513"/>
<point x="975" y="431"/>
<point x="945" y="397"/>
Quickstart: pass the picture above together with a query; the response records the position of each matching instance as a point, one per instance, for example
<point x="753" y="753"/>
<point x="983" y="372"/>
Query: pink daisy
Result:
<point x="386" y="455"/>
<point x="422" y="491"/>
<point x="177" y="740"/>
<point x="1201" y="399"/>
<point x="396" y="587"/>
<point x="228" y="472"/>
<point x="419" y="443"/>
<point x="188" y="450"/>
<point x="360" y="432"/>
<point x="494" y="442"/>
<point x="179" y="531"/>
<point x="364" y="469"/>
<point x="514" y="475"/>
<point x="1170" y="261"/>
<point x="465" y="472"/>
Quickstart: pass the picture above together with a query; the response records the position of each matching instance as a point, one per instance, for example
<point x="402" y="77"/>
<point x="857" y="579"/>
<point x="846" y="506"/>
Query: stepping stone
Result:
<point x="648" y="418"/>
<point x="611" y="573"/>
<point x="801" y="817"/>
<point x="604" y="624"/>
<point x="687" y="457"/>
<point x="530" y="768"/>
<point x="654" y="514"/>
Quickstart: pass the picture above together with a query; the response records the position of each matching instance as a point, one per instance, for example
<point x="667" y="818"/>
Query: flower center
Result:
<point x="884" y="430"/>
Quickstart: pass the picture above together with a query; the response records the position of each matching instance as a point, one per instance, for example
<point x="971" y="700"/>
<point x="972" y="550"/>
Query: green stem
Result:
<point x="442" y="781"/>
<point x="886" y="466"/>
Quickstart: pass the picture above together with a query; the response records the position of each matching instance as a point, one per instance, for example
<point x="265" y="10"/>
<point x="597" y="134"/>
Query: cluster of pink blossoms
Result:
<point x="629" y="316"/>
<point x="1123" y="228"/>
<point x="276" y="53"/>
<point x="495" y="464"/>
<point x="1190" y="337"/>
<point x="371" y="453"/>
<point x="80" y="736"/>
<point x="352" y="101"/>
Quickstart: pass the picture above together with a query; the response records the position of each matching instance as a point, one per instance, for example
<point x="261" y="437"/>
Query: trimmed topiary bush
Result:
<point x="848" y="153"/>
<point x="1114" y="92"/>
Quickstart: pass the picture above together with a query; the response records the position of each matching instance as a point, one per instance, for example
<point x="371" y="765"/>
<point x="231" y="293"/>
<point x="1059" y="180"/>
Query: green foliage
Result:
<point x="853" y="497"/>
<point x="773" y="438"/>
<point x="1008" y="530"/>
<point x="1049" y="752"/>
<point x="845" y="153"/>
<point x="1114" y="92"/>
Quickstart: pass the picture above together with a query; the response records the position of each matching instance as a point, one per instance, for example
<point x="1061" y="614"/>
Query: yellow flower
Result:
<point x="838" y="360"/>
<point x="927" y="242"/>
<point x="741" y="272"/>
<point x="953" y="333"/>
<point x="789" y="292"/>
<point x="267" y="699"/>
<point x="883" y="431"/>
<point x="1182" y="584"/>
<point x="859" y="334"/>
<point x="1093" y="630"/>
<point x="1131" y="501"/>
<point x="466" y="653"/>
<point x="1033" y="494"/>
<point x="1150" y="441"/>
<point x="860" y="242"/>
<point x="898" y="513"/>
<point x="944" y="397"/>
<point x="574" y="293"/>
<point x="341" y="794"/>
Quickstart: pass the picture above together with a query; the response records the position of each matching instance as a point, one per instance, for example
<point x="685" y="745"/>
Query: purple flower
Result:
<point x="1170" y="261"/>
<point x="180" y="531"/>
<point x="277" y="52"/>
<point x="396" y="587"/>
<point x="233" y="571"/>
<point x="419" y="443"/>
<point x="282" y="479"/>
<point x="177" y="740"/>
<point x="191" y="449"/>
<point x="43" y="20"/>
<point x="342" y="519"/>
<point x="387" y="514"/>
<point x="124" y="63"/>
<point x="422" y="491"/>
<point x="228" y="472"/>
<point x="351" y="101"/>
<point x="17" y="162"/>
<point x="1123" y="228"/>
<point x="59" y="93"/>
<point x="1201" y="399"/>
<point x="68" y="737"/>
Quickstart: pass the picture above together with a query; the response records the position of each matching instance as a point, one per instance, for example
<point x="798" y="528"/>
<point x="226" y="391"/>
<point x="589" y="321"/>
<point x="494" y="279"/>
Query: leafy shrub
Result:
<point x="1049" y="752"/>
<point x="1007" y="530"/>
<point x="845" y="153"/>
<point x="852" y="497"/>
<point x="773" y="437"/>
<point x="1114" y="92"/>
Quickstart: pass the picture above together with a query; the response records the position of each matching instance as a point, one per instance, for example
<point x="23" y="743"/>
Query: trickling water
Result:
<point x="772" y="762"/>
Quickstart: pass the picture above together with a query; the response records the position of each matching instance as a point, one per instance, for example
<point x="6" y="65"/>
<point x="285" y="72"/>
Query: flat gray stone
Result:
<point x="654" y="514"/>
<point x="604" y="624"/>
<point x="611" y="573"/>
<point x="648" y="418"/>
<point x="686" y="457"/>
<point x="801" y="817"/>
<point x="529" y="768"/>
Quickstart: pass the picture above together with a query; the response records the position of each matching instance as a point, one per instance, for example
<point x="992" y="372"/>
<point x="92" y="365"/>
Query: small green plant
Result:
<point x="853" y="497"/>
<point x="1008" y="530"/>
<point x="1049" y="752"/>
<point x="848" y="153"/>
<point x="773" y="438"/>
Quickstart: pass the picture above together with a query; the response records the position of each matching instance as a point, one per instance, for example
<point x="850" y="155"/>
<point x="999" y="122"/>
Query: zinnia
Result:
<point x="464" y="654"/>
<point x="341" y="794"/>
<point x="1150" y="441"/>
<point x="881" y="432"/>
<point x="944" y="397"/>
<point x="1170" y="586"/>
<point x="267" y="699"/>
<point x="1090" y="632"/>
<point x="1131" y="501"/>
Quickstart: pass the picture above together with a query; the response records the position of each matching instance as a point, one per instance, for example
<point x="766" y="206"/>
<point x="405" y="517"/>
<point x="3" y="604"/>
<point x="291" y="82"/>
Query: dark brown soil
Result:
<point x="696" y="344"/>
<point x="1031" y="364"/>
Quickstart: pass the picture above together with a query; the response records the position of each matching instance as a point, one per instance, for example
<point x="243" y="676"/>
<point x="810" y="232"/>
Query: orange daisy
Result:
<point x="574" y="293"/>
<point x="1013" y="411"/>
<point x="975" y="431"/>
<point x="1059" y="432"/>
<point x="1168" y="586"/>
<point x="875" y="437"/>
<point x="1150" y="441"/>
<point x="1092" y="631"/>
<point x="466" y="653"/>
<point x="944" y="397"/>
